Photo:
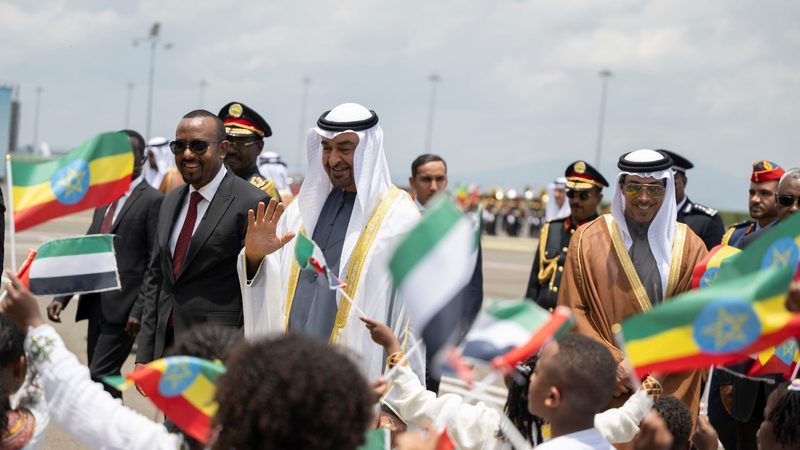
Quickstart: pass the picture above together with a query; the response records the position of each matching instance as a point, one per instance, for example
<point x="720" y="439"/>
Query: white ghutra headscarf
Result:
<point x="370" y="170"/>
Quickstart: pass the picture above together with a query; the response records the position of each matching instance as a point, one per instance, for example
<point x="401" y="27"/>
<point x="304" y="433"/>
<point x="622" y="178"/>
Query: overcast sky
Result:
<point x="717" y="81"/>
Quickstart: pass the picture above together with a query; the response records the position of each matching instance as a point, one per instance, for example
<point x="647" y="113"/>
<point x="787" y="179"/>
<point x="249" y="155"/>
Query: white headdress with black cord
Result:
<point x="370" y="170"/>
<point x="648" y="163"/>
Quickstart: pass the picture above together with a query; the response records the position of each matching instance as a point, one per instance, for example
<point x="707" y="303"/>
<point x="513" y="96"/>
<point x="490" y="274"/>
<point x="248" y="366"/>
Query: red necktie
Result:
<point x="182" y="244"/>
<point x="108" y="219"/>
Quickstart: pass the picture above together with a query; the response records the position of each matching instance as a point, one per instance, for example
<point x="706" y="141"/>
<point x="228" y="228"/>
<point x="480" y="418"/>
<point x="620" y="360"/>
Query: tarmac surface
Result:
<point x="506" y="267"/>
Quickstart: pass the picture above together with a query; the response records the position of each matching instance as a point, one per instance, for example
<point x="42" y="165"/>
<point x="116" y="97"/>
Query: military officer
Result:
<point x="763" y="202"/>
<point x="584" y="185"/>
<point x="246" y="131"/>
<point x="704" y="221"/>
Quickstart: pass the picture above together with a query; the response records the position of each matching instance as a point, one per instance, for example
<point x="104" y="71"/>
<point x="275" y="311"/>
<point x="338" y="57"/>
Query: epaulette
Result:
<point x="705" y="209"/>
<point x="266" y="185"/>
<point x="559" y="219"/>
<point x="744" y="223"/>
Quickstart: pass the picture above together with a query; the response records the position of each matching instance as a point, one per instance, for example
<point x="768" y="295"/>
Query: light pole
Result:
<point x="604" y="76"/>
<point x="152" y="39"/>
<point x="128" y="99"/>
<point x="39" y="90"/>
<point x="203" y="84"/>
<point x="433" y="78"/>
<point x="302" y="133"/>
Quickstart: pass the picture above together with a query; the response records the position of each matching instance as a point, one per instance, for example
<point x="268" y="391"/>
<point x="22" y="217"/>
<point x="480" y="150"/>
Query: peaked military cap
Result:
<point x="582" y="176"/>
<point x="242" y="121"/>
<point x="679" y="163"/>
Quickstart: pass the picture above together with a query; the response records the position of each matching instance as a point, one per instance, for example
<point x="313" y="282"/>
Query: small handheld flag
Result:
<point x="182" y="387"/>
<point x="94" y="174"/>
<point x="780" y="359"/>
<point x="509" y="331"/>
<point x="706" y="271"/>
<point x="76" y="265"/>
<point x="309" y="256"/>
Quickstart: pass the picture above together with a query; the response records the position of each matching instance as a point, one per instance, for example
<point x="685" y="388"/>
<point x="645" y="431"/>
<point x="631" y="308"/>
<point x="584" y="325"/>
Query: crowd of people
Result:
<point x="206" y="244"/>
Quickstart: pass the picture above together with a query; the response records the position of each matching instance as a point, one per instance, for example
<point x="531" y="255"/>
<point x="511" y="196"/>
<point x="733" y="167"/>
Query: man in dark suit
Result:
<point x="428" y="177"/>
<point x="114" y="316"/>
<point x="704" y="221"/>
<point x="201" y="227"/>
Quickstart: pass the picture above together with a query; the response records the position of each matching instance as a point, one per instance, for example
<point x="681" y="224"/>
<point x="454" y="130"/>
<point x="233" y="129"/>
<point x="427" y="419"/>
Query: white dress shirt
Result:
<point x="207" y="192"/>
<point x="121" y="200"/>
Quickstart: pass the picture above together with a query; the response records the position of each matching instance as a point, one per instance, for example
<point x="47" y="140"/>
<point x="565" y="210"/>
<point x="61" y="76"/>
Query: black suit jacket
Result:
<point x="135" y="230"/>
<point x="207" y="288"/>
<point x="704" y="221"/>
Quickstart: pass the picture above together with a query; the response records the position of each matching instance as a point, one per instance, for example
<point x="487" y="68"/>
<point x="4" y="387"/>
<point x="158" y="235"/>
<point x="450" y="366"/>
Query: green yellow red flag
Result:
<point x="717" y="325"/>
<point x="94" y="174"/>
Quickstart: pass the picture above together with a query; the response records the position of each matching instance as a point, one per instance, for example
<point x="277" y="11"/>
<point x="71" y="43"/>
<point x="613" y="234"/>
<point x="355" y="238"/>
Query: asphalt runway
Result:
<point x="506" y="267"/>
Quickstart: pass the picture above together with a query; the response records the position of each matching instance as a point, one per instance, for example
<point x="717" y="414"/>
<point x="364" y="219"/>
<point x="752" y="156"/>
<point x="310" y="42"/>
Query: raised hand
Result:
<point x="261" y="238"/>
<point x="382" y="335"/>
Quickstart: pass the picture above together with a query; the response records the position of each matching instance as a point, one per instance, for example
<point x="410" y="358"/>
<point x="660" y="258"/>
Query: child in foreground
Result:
<point x="479" y="426"/>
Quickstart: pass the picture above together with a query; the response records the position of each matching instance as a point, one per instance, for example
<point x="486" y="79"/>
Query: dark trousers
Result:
<point x="107" y="346"/>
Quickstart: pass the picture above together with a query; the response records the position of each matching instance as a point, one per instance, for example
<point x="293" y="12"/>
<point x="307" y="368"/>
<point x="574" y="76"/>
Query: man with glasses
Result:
<point x="762" y="203"/>
<point x="584" y="190"/>
<point x="201" y="226"/>
<point x="625" y="262"/>
<point x="246" y="131"/>
<point x="704" y="221"/>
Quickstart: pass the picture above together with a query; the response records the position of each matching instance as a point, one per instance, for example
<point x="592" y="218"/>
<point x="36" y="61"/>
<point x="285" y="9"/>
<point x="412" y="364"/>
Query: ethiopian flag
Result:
<point x="94" y="174"/>
<point x="182" y="387"/>
<point x="717" y="325"/>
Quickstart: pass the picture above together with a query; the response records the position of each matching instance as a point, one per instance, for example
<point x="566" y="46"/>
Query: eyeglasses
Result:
<point x="197" y="147"/>
<point x="583" y="195"/>
<point x="787" y="200"/>
<point x="635" y="189"/>
<point x="241" y="145"/>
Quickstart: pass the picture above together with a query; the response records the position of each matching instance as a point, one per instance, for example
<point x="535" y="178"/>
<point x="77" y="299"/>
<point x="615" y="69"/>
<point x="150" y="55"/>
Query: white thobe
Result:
<point x="264" y="299"/>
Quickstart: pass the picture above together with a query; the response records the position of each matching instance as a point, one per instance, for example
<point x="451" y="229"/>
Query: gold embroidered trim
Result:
<point x="727" y="236"/>
<point x="547" y="266"/>
<point x="294" y="275"/>
<point x="675" y="260"/>
<point x="358" y="257"/>
<point x="578" y="255"/>
<point x="627" y="264"/>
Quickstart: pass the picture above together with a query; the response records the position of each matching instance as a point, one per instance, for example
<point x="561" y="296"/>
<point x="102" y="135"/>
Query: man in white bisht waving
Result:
<point x="350" y="209"/>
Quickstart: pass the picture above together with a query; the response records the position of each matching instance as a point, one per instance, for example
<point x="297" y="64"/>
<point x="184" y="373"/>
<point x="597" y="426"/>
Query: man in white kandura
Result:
<point x="351" y="210"/>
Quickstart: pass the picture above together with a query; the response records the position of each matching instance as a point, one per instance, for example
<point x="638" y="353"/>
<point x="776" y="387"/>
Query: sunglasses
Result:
<point x="197" y="147"/>
<point x="241" y="145"/>
<point x="583" y="195"/>
<point x="635" y="189"/>
<point x="787" y="200"/>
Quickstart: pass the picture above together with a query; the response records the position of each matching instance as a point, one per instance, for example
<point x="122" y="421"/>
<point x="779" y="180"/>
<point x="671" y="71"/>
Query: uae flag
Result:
<point x="77" y="265"/>
<point x="430" y="266"/>
<point x="309" y="256"/>
<point x="508" y="332"/>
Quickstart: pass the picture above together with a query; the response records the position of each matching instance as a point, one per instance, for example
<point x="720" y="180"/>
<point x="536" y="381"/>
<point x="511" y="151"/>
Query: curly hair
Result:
<point x="291" y="392"/>
<point x="785" y="416"/>
<point x="208" y="341"/>
<point x="516" y="407"/>
<point x="12" y="347"/>
<point x="678" y="419"/>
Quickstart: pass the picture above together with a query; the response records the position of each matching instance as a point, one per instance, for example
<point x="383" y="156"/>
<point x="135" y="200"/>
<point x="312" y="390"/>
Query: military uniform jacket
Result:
<point x="548" y="261"/>
<point x="704" y="221"/>
<point x="253" y="176"/>
<point x="737" y="232"/>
